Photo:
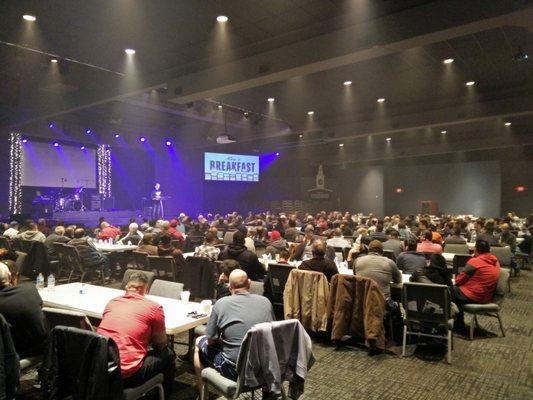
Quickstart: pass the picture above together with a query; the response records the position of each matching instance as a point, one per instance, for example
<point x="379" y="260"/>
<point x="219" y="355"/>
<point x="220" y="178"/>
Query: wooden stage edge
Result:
<point x="90" y="218"/>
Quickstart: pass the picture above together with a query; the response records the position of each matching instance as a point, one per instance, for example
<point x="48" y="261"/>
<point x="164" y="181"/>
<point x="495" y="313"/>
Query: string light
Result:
<point x="104" y="170"/>
<point x="15" y="173"/>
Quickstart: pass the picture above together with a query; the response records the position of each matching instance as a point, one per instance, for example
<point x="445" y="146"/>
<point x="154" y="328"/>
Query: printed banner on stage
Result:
<point x="231" y="167"/>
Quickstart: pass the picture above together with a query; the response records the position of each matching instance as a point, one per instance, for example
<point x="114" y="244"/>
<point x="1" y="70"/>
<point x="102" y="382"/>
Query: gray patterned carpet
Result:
<point x="490" y="367"/>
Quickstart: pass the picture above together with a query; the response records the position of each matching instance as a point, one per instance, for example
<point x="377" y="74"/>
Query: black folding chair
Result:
<point x="141" y="260"/>
<point x="5" y="243"/>
<point x="200" y="277"/>
<point x="277" y="278"/>
<point x="164" y="267"/>
<point x="459" y="262"/>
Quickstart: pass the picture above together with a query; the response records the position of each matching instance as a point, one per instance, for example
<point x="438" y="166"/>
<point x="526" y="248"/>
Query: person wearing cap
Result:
<point x="13" y="230"/>
<point x="277" y="243"/>
<point x="319" y="263"/>
<point x="380" y="269"/>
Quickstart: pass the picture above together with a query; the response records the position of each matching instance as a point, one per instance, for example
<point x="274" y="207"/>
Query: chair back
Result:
<point x="456" y="248"/>
<point x="5" y="243"/>
<point x="56" y="316"/>
<point x="171" y="290"/>
<point x="459" y="262"/>
<point x="503" y="254"/>
<point x="228" y="237"/>
<point x="21" y="259"/>
<point x="200" y="276"/>
<point x="257" y="288"/>
<point x="426" y="303"/>
<point x="150" y="275"/>
<point x="59" y="249"/>
<point x="503" y="285"/>
<point x="165" y="267"/>
<point x="141" y="260"/>
<point x="220" y="233"/>
<point x="260" y="250"/>
<point x="177" y="244"/>
<point x="191" y="242"/>
<point x="277" y="278"/>
<point x="73" y="257"/>
<point x="340" y="253"/>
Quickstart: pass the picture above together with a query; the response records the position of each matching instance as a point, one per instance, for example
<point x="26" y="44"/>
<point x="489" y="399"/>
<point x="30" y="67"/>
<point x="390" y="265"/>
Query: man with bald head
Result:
<point x="230" y="319"/>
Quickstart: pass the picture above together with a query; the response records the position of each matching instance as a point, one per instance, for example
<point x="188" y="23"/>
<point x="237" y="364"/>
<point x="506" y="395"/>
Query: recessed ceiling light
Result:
<point x="53" y="60"/>
<point x="300" y="135"/>
<point x="270" y="99"/>
<point x="507" y="123"/>
<point x="470" y="83"/>
<point x="448" y="61"/>
<point x="28" y="17"/>
<point x="310" y="112"/>
<point x="222" y="18"/>
<point x="219" y="106"/>
<point x="347" y="83"/>
<point x="443" y="131"/>
<point x="381" y="100"/>
<point x="388" y="139"/>
<point x="341" y="144"/>
<point x="129" y="51"/>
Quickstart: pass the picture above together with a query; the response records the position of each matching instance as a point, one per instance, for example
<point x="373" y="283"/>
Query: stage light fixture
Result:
<point x="277" y="154"/>
<point x="28" y="17"/>
<point x="142" y="139"/>
<point x="82" y="147"/>
<point x="443" y="131"/>
<point x="54" y="60"/>
<point x="56" y="144"/>
<point x="448" y="60"/>
<point x="388" y="139"/>
<point x="129" y="52"/>
<point x="270" y="99"/>
<point x="347" y="83"/>
<point x="301" y="135"/>
<point x="381" y="100"/>
<point x="88" y="131"/>
<point x="220" y="106"/>
<point x="51" y="125"/>
<point x="341" y="144"/>
<point x="222" y="18"/>
<point x="116" y="135"/>
<point x="470" y="83"/>
<point x="168" y="143"/>
<point x="24" y="140"/>
<point x="246" y="114"/>
<point x="507" y="123"/>
<point x="310" y="113"/>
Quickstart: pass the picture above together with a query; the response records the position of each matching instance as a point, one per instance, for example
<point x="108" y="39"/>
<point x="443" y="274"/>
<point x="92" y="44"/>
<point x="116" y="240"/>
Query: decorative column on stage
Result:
<point x="15" y="173"/>
<point x="104" y="170"/>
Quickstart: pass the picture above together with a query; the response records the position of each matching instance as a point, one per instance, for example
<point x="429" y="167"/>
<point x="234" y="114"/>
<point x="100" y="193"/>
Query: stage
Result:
<point x="90" y="218"/>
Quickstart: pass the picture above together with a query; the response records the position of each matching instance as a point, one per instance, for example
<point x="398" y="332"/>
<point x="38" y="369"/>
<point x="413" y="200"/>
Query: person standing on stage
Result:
<point x="157" y="202"/>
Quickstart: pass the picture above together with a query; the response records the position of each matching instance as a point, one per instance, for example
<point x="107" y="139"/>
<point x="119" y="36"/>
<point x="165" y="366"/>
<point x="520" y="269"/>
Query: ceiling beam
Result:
<point x="377" y="38"/>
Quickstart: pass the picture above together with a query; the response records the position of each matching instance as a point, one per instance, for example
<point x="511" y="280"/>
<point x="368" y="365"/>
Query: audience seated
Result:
<point x="13" y="230"/>
<point x="42" y="227"/>
<point x="32" y="233"/>
<point x="291" y="233"/>
<point x="134" y="235"/>
<point x="231" y="317"/>
<point x="488" y="234"/>
<point x="305" y="248"/>
<point x="248" y="260"/>
<point x="21" y="307"/>
<point x="455" y="237"/>
<point x="477" y="282"/>
<point x="90" y="257"/>
<point x="134" y="323"/>
<point x="378" y="268"/>
<point x="434" y="271"/>
<point x="427" y="246"/>
<point x="411" y="260"/>
<point x="378" y="233"/>
<point x="227" y="268"/>
<point x="146" y="245"/>
<point x="165" y="248"/>
<point x="338" y="240"/>
<point x="58" y="236"/>
<point x="507" y="238"/>
<point x="319" y="263"/>
<point x="108" y="231"/>
<point x="277" y="243"/>
<point x="394" y="243"/>
<point x="208" y="249"/>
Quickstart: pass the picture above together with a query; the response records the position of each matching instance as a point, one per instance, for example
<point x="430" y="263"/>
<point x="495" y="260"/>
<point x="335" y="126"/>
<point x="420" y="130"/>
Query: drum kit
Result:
<point x="73" y="202"/>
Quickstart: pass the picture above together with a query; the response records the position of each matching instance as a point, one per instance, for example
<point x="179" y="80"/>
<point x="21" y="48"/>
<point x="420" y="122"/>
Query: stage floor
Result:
<point x="90" y="218"/>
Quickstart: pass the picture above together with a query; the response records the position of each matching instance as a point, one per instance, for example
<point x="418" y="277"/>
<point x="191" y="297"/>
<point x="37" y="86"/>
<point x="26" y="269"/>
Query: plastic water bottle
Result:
<point x="129" y="242"/>
<point x="51" y="282"/>
<point x="83" y="289"/>
<point x="40" y="281"/>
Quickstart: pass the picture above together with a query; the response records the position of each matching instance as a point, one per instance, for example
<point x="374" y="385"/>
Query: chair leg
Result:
<point x="501" y="324"/>
<point x="450" y="344"/>
<point x="404" y="340"/>
<point x="472" y="323"/>
<point x="161" y="392"/>
<point x="205" y="392"/>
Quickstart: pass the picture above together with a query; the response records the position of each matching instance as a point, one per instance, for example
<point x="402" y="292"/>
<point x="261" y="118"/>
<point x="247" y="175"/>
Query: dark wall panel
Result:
<point x="514" y="174"/>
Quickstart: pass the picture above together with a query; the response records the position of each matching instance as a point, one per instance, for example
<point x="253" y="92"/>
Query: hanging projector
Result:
<point x="225" y="139"/>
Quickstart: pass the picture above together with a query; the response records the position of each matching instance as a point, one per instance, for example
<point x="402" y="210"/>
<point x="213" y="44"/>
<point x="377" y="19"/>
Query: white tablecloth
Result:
<point x="94" y="301"/>
<point x="113" y="248"/>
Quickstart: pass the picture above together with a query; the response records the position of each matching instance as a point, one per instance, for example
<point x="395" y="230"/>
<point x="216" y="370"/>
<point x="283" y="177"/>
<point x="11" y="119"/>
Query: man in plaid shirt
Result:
<point x="208" y="250"/>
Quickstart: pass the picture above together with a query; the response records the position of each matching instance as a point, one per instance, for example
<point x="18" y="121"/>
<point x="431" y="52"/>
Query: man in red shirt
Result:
<point x="134" y="322"/>
<point x="427" y="246"/>
<point x="108" y="232"/>
<point x="477" y="282"/>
